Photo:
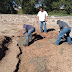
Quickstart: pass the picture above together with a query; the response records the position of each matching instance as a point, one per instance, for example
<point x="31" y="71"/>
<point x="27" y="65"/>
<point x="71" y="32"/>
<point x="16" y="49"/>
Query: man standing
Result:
<point x="42" y="18"/>
<point x="65" y="29"/>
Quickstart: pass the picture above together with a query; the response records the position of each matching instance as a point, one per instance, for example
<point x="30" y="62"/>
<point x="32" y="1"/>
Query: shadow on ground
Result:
<point x="36" y="37"/>
<point x="4" y="46"/>
<point x="17" y="67"/>
<point x="52" y="29"/>
<point x="64" y="41"/>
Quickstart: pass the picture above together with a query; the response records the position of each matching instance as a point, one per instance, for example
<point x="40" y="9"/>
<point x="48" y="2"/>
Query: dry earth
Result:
<point x="42" y="55"/>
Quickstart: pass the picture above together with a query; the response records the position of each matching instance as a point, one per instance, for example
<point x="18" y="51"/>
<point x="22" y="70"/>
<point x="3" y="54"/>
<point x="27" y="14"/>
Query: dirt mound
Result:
<point x="22" y="40"/>
<point x="42" y="55"/>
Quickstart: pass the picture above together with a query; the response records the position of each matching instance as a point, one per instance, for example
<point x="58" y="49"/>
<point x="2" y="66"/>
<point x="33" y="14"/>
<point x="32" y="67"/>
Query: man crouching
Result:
<point x="65" y="29"/>
<point x="29" y="29"/>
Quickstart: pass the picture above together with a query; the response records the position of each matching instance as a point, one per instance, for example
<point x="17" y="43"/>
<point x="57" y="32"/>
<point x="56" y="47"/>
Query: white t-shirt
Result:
<point x="42" y="15"/>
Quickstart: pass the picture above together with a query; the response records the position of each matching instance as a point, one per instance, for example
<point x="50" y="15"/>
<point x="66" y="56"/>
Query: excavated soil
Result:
<point x="42" y="55"/>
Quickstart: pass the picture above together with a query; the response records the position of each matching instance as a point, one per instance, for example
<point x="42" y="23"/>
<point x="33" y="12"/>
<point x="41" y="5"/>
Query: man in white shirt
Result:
<point x="42" y="19"/>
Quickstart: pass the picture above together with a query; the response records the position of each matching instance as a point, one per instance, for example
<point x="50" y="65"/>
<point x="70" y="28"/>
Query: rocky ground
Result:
<point x="42" y="55"/>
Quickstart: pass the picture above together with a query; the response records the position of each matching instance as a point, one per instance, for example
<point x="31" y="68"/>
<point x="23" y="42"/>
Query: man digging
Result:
<point x="65" y="29"/>
<point x="29" y="29"/>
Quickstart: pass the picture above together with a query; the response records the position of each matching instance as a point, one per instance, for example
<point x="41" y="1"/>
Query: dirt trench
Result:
<point x="42" y="55"/>
<point x="9" y="54"/>
<point x="4" y="42"/>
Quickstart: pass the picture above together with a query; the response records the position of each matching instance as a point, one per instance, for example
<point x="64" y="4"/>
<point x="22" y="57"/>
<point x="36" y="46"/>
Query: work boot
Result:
<point x="27" y="42"/>
<point x="30" y="38"/>
<point x="55" y="43"/>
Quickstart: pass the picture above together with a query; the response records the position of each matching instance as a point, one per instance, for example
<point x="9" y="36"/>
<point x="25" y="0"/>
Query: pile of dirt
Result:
<point x="22" y="40"/>
<point x="42" y="55"/>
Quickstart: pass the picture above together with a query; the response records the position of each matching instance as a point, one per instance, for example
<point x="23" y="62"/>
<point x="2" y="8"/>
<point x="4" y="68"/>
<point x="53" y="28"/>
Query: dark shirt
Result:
<point x="62" y="24"/>
<point x="27" y="28"/>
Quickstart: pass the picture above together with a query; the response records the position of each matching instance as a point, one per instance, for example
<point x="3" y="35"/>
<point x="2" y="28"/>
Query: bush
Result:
<point x="68" y="9"/>
<point x="6" y="7"/>
<point x="59" y="11"/>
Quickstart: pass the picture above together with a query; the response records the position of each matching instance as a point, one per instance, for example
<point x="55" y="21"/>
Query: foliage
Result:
<point x="6" y="7"/>
<point x="28" y="7"/>
<point x="68" y="5"/>
<point x="49" y="5"/>
<point x="32" y="6"/>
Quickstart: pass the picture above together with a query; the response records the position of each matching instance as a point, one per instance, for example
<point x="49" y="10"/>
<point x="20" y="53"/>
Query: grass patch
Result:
<point x="50" y="13"/>
<point x="59" y="14"/>
<point x="20" y="12"/>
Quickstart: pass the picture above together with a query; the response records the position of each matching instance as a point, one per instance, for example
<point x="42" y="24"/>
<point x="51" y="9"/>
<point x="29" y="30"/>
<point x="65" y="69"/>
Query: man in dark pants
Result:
<point x="65" y="29"/>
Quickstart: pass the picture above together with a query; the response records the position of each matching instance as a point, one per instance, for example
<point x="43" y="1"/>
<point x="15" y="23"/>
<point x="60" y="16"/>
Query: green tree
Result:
<point x="67" y="5"/>
<point x="18" y="2"/>
<point x="6" y="7"/>
<point x="55" y="6"/>
<point x="28" y="6"/>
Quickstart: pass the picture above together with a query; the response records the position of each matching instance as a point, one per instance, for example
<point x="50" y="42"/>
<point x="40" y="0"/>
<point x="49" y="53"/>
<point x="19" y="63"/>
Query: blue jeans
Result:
<point x="29" y="32"/>
<point x="66" y="31"/>
<point x="43" y="23"/>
